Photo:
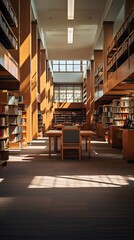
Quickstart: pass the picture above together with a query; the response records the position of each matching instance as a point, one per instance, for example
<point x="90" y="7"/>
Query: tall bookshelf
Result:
<point x="8" y="20"/>
<point x="23" y="121"/>
<point x="97" y="116"/>
<point x="65" y="115"/>
<point x="15" y="127"/>
<point x="4" y="134"/>
<point x="9" y="51"/>
<point x="41" y="126"/>
<point x="121" y="110"/>
<point x="99" y="81"/>
<point x="122" y="46"/>
<point x="131" y="110"/>
<point x="107" y="119"/>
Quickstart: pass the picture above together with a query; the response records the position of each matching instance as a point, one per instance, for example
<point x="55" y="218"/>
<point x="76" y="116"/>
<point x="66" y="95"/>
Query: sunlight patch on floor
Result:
<point x="79" y="181"/>
<point x="99" y="142"/>
<point x="36" y="147"/>
<point x="20" y="158"/>
<point x="1" y="179"/>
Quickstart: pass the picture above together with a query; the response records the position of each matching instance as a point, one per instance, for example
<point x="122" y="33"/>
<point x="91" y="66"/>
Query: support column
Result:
<point x="39" y="64"/>
<point x="88" y="99"/>
<point x="25" y="61"/>
<point x="43" y="84"/>
<point x="49" y="95"/>
<point x="34" y="96"/>
<point x="92" y="87"/>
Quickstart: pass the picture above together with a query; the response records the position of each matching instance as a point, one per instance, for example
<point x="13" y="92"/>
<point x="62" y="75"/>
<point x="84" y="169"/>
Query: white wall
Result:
<point x="67" y="77"/>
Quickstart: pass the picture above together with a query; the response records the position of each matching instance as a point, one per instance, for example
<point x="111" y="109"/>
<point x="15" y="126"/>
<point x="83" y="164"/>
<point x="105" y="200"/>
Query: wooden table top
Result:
<point x="84" y="133"/>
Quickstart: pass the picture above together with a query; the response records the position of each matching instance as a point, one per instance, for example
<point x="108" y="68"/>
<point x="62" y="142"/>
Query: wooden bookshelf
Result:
<point x="65" y="115"/>
<point x="4" y="134"/>
<point x="97" y="116"/>
<point x="107" y="116"/>
<point x="99" y="81"/>
<point x="9" y="53"/>
<point x="8" y="21"/>
<point x="15" y="128"/>
<point x="122" y="46"/>
<point x="40" y="124"/>
<point x="23" y="121"/>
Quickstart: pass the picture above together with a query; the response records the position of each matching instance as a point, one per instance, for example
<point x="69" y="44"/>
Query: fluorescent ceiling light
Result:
<point x="70" y="35"/>
<point x="70" y="10"/>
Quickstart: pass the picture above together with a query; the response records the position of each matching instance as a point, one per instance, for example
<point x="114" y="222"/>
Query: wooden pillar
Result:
<point x="49" y="95"/>
<point x="43" y="84"/>
<point x="92" y="87"/>
<point x="39" y="64"/>
<point x="107" y="39"/>
<point x="34" y="97"/>
<point x="88" y="99"/>
<point x="25" y="61"/>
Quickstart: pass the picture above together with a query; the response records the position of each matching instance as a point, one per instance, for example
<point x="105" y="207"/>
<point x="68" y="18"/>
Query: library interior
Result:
<point x="66" y="119"/>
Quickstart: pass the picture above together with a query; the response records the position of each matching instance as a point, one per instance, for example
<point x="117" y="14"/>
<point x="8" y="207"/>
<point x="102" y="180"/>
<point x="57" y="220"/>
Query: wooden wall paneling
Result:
<point x="34" y="93"/>
<point x="98" y="58"/>
<point x="25" y="61"/>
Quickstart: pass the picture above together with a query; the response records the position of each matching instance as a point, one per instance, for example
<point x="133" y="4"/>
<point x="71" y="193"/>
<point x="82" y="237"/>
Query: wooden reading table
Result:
<point x="58" y="133"/>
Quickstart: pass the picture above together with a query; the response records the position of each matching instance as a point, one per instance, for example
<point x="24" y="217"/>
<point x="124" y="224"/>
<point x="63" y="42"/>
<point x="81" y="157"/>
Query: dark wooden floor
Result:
<point x="42" y="199"/>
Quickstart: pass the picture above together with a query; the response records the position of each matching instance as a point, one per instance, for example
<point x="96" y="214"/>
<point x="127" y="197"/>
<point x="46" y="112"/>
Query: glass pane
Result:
<point x="70" y="62"/>
<point x="55" y="61"/>
<point x="62" y="88"/>
<point x="62" y="97"/>
<point x="69" y="68"/>
<point x="83" y="68"/>
<point x="77" y="68"/>
<point x="69" y="97"/>
<point x="70" y="88"/>
<point x="62" y="68"/>
<point x="56" y="97"/>
<point x="78" y="88"/>
<point x="84" y="62"/>
<point x="55" y="68"/>
<point x="77" y="62"/>
<point x="62" y="62"/>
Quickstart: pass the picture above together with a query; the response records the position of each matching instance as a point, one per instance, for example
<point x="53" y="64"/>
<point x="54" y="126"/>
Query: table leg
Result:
<point x="49" y="147"/>
<point x="89" y="147"/>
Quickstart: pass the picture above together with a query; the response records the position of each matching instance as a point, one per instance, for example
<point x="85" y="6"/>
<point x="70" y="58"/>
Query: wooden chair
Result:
<point x="71" y="139"/>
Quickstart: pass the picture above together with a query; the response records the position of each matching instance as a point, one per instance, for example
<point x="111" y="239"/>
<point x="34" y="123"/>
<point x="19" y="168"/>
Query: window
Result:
<point x="68" y="93"/>
<point x="69" y="65"/>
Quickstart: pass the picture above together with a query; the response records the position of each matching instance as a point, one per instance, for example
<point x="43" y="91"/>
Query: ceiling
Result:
<point x="88" y="21"/>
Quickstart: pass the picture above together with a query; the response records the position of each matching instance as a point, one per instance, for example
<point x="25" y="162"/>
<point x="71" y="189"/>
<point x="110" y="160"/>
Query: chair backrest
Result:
<point x="71" y="135"/>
